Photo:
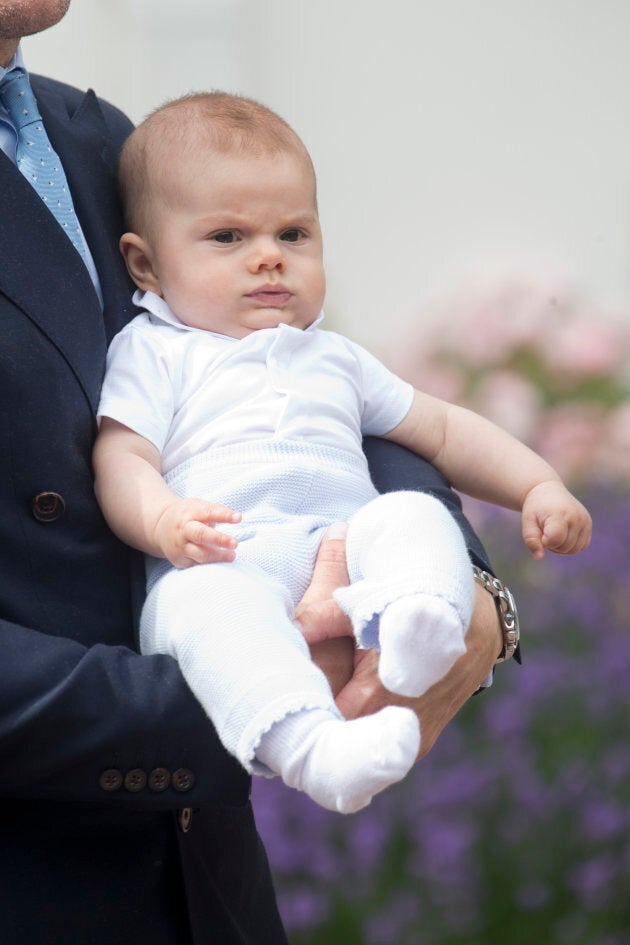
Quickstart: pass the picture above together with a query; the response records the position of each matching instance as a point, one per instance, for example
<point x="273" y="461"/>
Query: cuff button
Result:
<point x="111" y="780"/>
<point x="159" y="780"/>
<point x="183" y="780"/>
<point x="135" y="780"/>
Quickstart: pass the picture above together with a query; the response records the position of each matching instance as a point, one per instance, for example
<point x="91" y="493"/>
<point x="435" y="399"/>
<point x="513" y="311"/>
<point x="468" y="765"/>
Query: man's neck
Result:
<point x="8" y="48"/>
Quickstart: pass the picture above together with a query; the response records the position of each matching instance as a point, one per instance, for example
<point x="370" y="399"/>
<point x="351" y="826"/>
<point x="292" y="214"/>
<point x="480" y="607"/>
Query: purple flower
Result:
<point x="603" y="820"/>
<point x="521" y="812"/>
<point x="532" y="895"/>
<point x="303" y="908"/>
<point x="593" y="881"/>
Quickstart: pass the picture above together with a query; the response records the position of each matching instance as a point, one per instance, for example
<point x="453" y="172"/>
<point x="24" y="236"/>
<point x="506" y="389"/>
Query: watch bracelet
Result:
<point x="506" y="609"/>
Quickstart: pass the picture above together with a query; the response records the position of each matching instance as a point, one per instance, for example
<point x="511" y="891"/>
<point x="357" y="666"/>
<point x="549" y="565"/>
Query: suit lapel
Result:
<point x="83" y="142"/>
<point x="55" y="291"/>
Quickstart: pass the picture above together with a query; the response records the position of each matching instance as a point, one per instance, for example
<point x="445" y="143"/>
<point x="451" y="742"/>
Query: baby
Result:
<point x="230" y="438"/>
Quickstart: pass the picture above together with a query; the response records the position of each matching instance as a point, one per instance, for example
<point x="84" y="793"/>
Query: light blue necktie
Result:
<point x="35" y="156"/>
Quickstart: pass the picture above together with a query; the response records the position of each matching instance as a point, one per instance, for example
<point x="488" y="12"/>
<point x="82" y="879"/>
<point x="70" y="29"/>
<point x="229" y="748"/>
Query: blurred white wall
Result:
<point x="455" y="141"/>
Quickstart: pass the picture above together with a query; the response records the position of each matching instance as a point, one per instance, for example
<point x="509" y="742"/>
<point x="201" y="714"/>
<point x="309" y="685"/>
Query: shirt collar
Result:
<point x="158" y="309"/>
<point x="8" y="134"/>
<point x="17" y="61"/>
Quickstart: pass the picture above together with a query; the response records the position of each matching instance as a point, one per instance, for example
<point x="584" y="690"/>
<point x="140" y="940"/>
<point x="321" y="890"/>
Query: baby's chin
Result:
<point x="274" y="317"/>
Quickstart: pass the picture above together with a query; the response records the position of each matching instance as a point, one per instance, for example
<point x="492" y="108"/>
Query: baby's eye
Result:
<point x="294" y="235"/>
<point x="226" y="236"/>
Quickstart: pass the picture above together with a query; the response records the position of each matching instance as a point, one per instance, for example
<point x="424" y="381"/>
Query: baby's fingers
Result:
<point x="532" y="536"/>
<point x="567" y="538"/>
<point x="214" y="512"/>
<point x="204" y="544"/>
<point x="557" y="535"/>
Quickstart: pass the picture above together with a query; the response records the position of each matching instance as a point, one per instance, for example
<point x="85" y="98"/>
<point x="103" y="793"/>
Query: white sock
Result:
<point x="412" y="590"/>
<point x="342" y="764"/>
<point x="421" y="636"/>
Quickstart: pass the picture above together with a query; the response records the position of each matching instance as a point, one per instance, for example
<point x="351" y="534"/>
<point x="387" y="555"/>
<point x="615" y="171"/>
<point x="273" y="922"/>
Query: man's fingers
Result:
<point x="319" y="616"/>
<point x="330" y="571"/>
<point x="364" y="693"/>
<point x="322" y="621"/>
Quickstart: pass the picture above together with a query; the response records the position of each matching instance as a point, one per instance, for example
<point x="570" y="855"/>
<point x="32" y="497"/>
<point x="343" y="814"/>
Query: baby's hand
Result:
<point x="185" y="533"/>
<point x="553" y="518"/>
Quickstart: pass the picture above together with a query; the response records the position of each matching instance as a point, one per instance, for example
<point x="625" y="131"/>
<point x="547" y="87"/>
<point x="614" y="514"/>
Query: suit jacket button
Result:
<point x="48" y="507"/>
<point x="135" y="780"/>
<point x="183" y="780"/>
<point x="159" y="779"/>
<point x="111" y="780"/>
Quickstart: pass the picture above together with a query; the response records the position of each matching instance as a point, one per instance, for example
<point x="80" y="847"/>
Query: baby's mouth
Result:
<point x="274" y="296"/>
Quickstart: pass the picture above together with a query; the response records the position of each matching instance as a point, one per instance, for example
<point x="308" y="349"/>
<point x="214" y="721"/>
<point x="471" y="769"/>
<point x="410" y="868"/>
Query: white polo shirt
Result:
<point x="190" y="391"/>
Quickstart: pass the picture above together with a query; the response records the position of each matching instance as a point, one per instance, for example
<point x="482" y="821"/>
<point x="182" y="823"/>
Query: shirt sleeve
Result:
<point x="386" y="397"/>
<point x="138" y="386"/>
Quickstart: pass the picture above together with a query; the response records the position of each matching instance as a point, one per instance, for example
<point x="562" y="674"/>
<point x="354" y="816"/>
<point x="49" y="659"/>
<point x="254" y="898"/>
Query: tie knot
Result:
<point x="17" y="97"/>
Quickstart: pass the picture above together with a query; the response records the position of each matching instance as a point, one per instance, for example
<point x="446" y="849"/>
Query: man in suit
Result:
<point x="124" y="820"/>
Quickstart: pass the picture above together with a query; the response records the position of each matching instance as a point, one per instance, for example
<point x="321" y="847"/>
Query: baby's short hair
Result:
<point x="230" y="124"/>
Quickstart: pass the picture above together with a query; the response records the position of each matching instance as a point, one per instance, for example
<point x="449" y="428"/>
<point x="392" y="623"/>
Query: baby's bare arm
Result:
<point x="486" y="462"/>
<point x="141" y="509"/>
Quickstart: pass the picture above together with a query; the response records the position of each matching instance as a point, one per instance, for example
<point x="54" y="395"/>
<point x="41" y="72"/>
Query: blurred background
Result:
<point x="455" y="142"/>
<point x="474" y="176"/>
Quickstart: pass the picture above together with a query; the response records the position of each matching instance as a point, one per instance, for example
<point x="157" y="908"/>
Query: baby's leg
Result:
<point x="342" y="765"/>
<point x="230" y="628"/>
<point x="412" y="592"/>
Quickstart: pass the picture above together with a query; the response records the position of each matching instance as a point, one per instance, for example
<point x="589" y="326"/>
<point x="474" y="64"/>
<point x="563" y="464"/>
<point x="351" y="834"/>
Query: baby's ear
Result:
<point x="137" y="255"/>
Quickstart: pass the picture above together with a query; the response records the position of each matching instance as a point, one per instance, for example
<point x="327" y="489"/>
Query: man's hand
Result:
<point x="326" y="628"/>
<point x="365" y="693"/>
<point x="320" y="617"/>
<point x="353" y="674"/>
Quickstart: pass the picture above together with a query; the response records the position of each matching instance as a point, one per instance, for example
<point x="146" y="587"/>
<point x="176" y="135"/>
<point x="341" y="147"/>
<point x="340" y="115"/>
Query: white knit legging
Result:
<point x="231" y="627"/>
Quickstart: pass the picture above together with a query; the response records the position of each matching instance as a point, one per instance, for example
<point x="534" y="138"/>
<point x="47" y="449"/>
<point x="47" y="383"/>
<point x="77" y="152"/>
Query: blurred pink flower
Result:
<point x="570" y="439"/>
<point x="542" y="361"/>
<point x="488" y="326"/>
<point x="417" y="365"/>
<point x="587" y="345"/>
<point x="615" y="446"/>
<point x="511" y="401"/>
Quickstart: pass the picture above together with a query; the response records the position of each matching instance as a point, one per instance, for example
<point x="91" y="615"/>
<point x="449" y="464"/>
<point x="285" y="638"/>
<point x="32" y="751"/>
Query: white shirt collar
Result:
<point x="158" y="308"/>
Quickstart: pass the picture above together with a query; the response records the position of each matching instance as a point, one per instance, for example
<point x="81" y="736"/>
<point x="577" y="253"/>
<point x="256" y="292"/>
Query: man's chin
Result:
<point x="25" y="17"/>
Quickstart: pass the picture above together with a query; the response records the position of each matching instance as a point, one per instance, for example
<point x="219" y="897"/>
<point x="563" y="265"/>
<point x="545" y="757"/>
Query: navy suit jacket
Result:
<point x="82" y="857"/>
<point x="100" y="748"/>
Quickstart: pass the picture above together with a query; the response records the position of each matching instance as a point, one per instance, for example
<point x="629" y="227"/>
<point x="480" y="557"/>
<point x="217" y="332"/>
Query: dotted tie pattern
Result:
<point x="35" y="156"/>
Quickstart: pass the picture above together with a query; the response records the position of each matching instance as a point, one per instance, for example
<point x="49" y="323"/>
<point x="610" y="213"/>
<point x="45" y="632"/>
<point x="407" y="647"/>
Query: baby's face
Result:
<point x="236" y="244"/>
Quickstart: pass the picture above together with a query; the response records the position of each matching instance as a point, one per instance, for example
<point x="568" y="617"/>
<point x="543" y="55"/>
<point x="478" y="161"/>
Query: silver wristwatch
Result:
<point x="506" y="609"/>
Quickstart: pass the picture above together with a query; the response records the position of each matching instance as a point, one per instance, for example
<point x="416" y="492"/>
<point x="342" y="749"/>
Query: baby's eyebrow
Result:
<point x="226" y="219"/>
<point x="301" y="218"/>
